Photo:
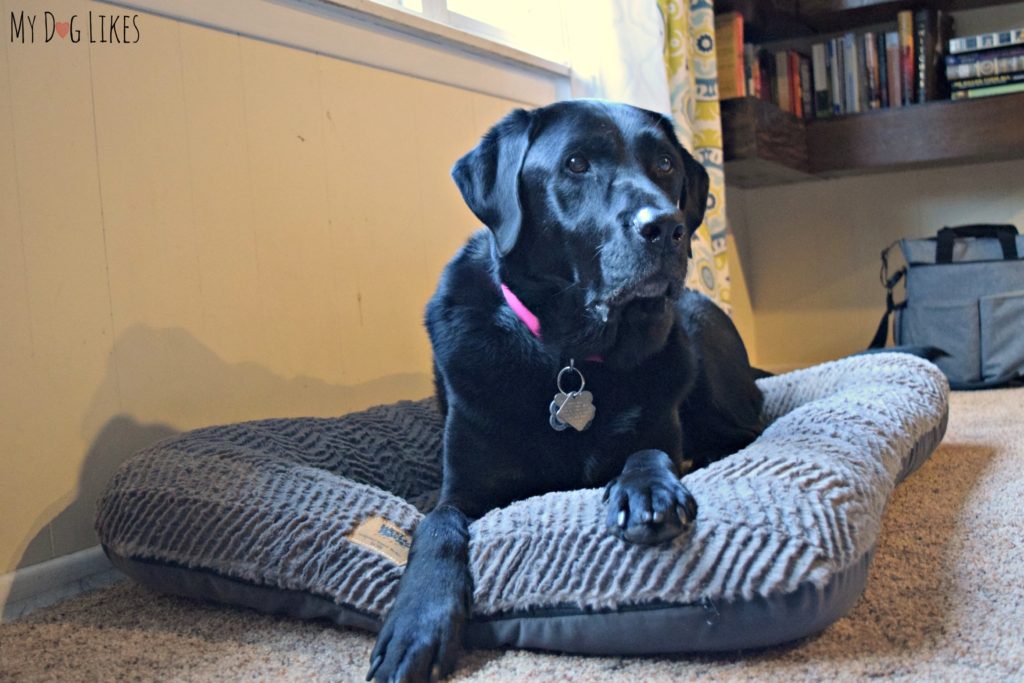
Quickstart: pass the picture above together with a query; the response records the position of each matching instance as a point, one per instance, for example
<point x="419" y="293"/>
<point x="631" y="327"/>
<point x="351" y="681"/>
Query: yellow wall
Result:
<point x="202" y="228"/>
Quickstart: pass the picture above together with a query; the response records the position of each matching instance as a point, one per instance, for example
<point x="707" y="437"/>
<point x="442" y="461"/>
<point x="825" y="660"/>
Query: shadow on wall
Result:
<point x="166" y="382"/>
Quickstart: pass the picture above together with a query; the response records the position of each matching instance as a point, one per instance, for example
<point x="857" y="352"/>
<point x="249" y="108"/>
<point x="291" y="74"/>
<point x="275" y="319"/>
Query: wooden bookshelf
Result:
<point x="766" y="146"/>
<point x="762" y="145"/>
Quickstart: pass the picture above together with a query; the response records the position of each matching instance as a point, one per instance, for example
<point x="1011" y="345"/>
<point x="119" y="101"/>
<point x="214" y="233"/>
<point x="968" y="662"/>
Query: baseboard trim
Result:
<point x="39" y="585"/>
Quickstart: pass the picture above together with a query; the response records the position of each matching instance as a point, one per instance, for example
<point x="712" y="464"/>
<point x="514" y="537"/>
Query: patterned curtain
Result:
<point x="692" y="71"/>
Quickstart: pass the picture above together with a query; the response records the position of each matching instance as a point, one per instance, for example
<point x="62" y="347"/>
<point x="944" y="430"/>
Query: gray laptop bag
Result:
<point x="965" y="296"/>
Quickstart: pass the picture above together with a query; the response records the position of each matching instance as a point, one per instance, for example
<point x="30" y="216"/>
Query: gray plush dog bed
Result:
<point x="312" y="517"/>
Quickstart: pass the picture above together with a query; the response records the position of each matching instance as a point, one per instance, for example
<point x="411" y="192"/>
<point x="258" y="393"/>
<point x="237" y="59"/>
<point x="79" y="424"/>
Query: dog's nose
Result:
<point x="654" y="227"/>
<point x="663" y="230"/>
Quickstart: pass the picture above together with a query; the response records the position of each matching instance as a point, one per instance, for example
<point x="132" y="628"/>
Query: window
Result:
<point x="533" y="26"/>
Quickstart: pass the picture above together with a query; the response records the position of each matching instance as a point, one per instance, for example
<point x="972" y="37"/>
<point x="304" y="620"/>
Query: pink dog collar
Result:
<point x="521" y="311"/>
<point x="528" y="318"/>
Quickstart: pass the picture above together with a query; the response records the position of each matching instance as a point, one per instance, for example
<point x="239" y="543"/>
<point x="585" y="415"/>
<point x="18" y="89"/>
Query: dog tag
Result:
<point x="575" y="408"/>
<point x="555" y="423"/>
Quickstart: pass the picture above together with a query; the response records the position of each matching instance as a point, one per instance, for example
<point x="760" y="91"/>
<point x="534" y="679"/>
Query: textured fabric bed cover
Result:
<point x="261" y="514"/>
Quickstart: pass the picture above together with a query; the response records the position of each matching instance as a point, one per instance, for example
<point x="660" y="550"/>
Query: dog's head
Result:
<point x="591" y="203"/>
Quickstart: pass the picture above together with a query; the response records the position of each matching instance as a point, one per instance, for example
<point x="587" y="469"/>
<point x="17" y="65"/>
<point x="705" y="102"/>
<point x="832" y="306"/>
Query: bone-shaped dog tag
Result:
<point x="575" y="409"/>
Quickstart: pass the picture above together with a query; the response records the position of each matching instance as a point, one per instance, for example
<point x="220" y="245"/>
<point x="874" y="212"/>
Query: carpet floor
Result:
<point x="944" y="602"/>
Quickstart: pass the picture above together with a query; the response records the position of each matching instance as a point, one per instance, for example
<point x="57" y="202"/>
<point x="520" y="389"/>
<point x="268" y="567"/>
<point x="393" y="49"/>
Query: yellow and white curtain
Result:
<point x="692" y="71"/>
<point x="660" y="55"/>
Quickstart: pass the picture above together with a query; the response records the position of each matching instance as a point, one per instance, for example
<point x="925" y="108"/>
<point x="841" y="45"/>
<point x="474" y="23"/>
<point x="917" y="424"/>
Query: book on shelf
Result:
<point x="835" y="65"/>
<point x="883" y="70"/>
<point x="780" y="89"/>
<point x="806" y="86"/>
<point x="975" y="93"/>
<point x="986" y="41"/>
<point x="851" y="74"/>
<point x="751" y="70"/>
<point x="871" y="71"/>
<point x="988" y="63"/>
<point x="766" y="77"/>
<point x="905" y="29"/>
<point x="932" y="31"/>
<point x="893" y="68"/>
<point x="822" y="106"/>
<point x="799" y="85"/>
<point x="987" y="81"/>
<point x="729" y="54"/>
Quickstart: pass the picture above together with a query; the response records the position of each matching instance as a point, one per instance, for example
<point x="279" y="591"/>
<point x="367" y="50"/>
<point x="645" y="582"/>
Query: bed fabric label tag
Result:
<point x="384" y="538"/>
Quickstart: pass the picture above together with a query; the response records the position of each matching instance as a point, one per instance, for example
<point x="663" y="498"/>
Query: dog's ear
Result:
<point x="694" y="198"/>
<point x="488" y="177"/>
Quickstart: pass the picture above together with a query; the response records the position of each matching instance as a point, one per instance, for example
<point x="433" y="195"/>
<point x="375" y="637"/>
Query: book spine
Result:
<point x="988" y="81"/>
<point x="822" y="86"/>
<point x="975" y="93"/>
<point x="850" y="74"/>
<point x="925" y="33"/>
<point x="862" y="74"/>
<point x="782" y="97"/>
<point x="764" y="70"/>
<point x="883" y="71"/>
<point x="750" y="68"/>
<point x="806" y="87"/>
<point x="729" y="54"/>
<point x="988" y="67"/>
<point x="892" y="60"/>
<point x="835" y="61"/>
<point x="986" y="41"/>
<point x="871" y="70"/>
<point x="905" y="24"/>
<point x="987" y="56"/>
<point x="795" y="95"/>
<point x="737" y="53"/>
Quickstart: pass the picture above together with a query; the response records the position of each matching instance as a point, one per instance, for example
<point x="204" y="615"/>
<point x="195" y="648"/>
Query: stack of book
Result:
<point x="987" y="64"/>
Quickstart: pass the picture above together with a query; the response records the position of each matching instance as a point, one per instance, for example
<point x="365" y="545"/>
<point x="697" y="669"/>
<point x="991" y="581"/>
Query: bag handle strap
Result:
<point x="882" y="333"/>
<point x="889" y="282"/>
<point x="1006" y="234"/>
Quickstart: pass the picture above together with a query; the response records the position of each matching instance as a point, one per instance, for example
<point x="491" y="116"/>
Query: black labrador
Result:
<point x="567" y="353"/>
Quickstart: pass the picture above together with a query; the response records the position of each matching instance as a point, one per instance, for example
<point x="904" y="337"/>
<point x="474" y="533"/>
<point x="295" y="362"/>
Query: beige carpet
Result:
<point x="945" y="601"/>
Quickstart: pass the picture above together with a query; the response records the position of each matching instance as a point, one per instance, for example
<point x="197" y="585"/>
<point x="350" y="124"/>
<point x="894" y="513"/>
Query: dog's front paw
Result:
<point x="648" y="504"/>
<point x="418" y="642"/>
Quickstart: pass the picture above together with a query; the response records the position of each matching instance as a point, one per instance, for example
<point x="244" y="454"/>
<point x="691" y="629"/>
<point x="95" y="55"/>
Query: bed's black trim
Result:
<point x="655" y="628"/>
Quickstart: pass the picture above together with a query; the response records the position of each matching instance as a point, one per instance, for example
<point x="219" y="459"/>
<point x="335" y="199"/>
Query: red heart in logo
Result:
<point x="62" y="28"/>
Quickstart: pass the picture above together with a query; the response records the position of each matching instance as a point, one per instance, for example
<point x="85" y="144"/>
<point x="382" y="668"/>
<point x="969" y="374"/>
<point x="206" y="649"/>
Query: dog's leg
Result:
<point x="647" y="503"/>
<point x="422" y="634"/>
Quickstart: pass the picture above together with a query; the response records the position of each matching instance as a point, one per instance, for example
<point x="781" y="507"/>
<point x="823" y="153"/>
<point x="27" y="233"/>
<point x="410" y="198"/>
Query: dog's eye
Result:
<point x="577" y="164"/>
<point x="664" y="164"/>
